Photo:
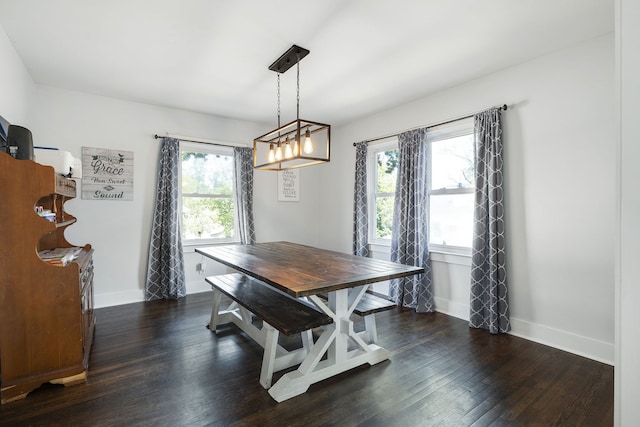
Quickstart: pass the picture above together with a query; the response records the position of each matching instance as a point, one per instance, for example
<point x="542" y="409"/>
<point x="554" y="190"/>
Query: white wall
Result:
<point x="560" y="161"/>
<point x="627" y="371"/>
<point x="17" y="88"/>
<point x="291" y="221"/>
<point x="119" y="230"/>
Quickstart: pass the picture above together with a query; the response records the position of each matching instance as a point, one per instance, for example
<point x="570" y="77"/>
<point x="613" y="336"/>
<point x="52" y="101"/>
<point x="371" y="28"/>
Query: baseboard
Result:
<point x="590" y="348"/>
<point x="452" y="308"/>
<point x="580" y="345"/>
<point x="198" y="286"/>
<point x="127" y="297"/>
<point x="118" y="298"/>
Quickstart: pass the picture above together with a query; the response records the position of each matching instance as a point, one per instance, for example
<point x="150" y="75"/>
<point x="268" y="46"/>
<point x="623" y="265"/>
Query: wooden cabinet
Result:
<point x="46" y="311"/>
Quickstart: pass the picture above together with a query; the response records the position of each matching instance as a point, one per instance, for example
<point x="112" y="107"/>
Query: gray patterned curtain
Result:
<point x="489" y="305"/>
<point x="360" y="207"/>
<point x="165" y="269"/>
<point x="243" y="157"/>
<point x="409" y="243"/>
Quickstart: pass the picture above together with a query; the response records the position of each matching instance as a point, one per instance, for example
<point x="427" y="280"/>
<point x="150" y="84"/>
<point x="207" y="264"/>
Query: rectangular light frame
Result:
<point x="295" y="130"/>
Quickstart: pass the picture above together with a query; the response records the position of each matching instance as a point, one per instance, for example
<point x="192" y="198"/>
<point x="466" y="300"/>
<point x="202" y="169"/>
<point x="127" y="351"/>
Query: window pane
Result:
<point x="452" y="164"/>
<point x="451" y="219"/>
<point x="205" y="173"/>
<point x="207" y="218"/>
<point x="384" y="217"/>
<point x="387" y="168"/>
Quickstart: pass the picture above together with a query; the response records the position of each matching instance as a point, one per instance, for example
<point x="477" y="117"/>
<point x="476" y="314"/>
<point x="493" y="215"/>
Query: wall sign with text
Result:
<point x="289" y="185"/>
<point x="107" y="174"/>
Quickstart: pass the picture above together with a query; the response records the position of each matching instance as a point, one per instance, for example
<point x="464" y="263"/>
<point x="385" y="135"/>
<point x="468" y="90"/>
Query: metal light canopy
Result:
<point x="298" y="143"/>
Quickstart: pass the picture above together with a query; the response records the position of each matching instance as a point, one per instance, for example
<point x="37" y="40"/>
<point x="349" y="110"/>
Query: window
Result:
<point x="383" y="169"/>
<point x="207" y="203"/>
<point x="450" y="187"/>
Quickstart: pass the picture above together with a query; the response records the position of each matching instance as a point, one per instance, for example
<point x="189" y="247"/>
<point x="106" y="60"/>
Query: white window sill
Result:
<point x="438" y="255"/>
<point x="190" y="246"/>
<point x="451" y="258"/>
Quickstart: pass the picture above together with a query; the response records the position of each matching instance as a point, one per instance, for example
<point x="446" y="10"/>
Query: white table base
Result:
<point x="333" y="342"/>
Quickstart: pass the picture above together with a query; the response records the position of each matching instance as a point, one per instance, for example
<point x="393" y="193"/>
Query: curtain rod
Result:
<point x="200" y="140"/>
<point x="502" y="107"/>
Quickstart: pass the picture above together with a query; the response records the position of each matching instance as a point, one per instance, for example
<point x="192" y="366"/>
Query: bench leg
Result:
<point x="269" y="357"/>
<point x="213" y="322"/>
<point x="370" y="327"/>
<point x="307" y="340"/>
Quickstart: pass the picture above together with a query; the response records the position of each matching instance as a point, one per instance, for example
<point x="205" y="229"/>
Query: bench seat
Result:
<point x="286" y="314"/>
<point x="371" y="303"/>
<point x="278" y="312"/>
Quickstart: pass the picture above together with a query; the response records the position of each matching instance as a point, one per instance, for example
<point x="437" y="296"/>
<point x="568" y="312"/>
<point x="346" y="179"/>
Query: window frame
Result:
<point x="454" y="129"/>
<point x="462" y="127"/>
<point x="206" y="148"/>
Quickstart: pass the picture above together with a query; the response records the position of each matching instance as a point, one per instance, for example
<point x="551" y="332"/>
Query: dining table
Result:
<point x="306" y="272"/>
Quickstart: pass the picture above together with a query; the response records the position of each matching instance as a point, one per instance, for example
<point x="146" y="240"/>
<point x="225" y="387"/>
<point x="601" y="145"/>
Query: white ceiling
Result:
<point x="211" y="56"/>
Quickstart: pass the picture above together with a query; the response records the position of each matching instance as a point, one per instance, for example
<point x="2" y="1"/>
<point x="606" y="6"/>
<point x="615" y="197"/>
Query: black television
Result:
<point x="16" y="140"/>
<point x="4" y="131"/>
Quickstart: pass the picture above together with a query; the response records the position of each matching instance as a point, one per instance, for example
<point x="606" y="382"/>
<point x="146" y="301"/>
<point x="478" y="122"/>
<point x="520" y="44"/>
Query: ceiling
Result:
<point x="212" y="56"/>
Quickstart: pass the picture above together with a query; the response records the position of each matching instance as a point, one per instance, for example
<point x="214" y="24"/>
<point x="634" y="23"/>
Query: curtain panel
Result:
<point x="409" y="243"/>
<point x="243" y="158"/>
<point x="360" y="203"/>
<point x="165" y="268"/>
<point x="489" y="308"/>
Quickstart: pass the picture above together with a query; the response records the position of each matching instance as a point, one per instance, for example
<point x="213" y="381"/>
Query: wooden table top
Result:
<point x="301" y="270"/>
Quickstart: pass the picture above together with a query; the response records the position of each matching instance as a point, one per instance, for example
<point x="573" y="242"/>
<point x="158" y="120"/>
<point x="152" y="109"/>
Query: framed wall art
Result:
<point x="107" y="174"/>
<point x="289" y="185"/>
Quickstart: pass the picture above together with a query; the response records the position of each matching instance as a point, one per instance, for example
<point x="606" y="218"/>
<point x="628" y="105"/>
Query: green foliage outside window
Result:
<point x="207" y="218"/>
<point x="207" y="196"/>
<point x="384" y="217"/>
<point x="387" y="169"/>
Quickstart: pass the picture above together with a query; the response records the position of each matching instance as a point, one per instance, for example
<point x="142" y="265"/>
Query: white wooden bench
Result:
<point x="279" y="314"/>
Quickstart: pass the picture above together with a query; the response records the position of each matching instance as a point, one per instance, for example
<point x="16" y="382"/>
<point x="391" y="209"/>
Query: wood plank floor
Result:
<point x="155" y="364"/>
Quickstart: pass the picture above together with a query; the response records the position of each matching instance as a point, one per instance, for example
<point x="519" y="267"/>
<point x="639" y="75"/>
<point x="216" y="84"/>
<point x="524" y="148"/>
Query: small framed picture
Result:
<point x="289" y="185"/>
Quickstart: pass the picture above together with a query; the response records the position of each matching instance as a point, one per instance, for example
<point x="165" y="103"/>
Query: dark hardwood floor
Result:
<point x="156" y="364"/>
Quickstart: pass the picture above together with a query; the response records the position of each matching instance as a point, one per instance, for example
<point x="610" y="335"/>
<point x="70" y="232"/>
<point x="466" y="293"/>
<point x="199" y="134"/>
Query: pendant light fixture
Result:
<point x="298" y="143"/>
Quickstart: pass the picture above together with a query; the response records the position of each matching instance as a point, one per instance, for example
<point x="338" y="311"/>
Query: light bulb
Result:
<point x="279" y="151"/>
<point x="308" y="144"/>
<point x="288" y="153"/>
<point x="296" y="147"/>
<point x="272" y="155"/>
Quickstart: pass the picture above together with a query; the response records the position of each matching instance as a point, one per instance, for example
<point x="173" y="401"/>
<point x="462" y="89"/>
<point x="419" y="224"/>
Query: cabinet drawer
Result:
<point x="86" y="274"/>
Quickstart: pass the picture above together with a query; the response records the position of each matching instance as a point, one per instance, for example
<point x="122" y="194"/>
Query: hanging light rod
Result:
<point x="289" y="59"/>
